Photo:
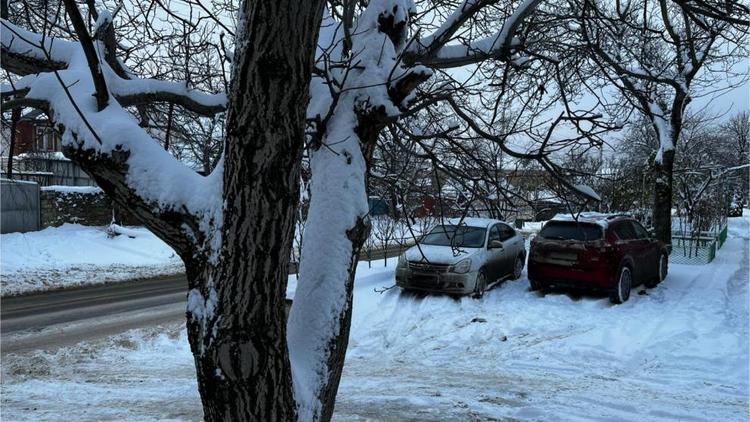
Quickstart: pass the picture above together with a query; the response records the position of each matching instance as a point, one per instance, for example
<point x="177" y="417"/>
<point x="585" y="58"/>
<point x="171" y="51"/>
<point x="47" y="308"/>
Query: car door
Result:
<point x="633" y="247"/>
<point x="511" y="245"/>
<point x="624" y="244"/>
<point x="648" y="250"/>
<point x="495" y="256"/>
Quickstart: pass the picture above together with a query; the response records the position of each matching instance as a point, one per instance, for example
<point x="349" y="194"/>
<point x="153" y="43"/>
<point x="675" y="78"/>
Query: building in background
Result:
<point x="38" y="157"/>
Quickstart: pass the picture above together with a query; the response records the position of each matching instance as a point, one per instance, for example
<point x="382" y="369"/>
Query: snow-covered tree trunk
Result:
<point x="337" y="222"/>
<point x="335" y="230"/>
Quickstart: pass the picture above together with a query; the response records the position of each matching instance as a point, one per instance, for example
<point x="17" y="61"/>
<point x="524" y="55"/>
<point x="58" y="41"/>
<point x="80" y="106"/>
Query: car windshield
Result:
<point x="456" y="236"/>
<point x="556" y="230"/>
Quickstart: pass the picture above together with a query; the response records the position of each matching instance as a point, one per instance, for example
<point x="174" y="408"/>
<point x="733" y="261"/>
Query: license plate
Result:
<point x="564" y="256"/>
<point x="424" y="279"/>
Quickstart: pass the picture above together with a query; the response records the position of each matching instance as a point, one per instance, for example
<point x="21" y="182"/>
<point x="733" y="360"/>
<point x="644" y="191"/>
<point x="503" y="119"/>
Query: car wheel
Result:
<point x="517" y="268"/>
<point x="621" y="292"/>
<point x="662" y="269"/>
<point x="480" y="285"/>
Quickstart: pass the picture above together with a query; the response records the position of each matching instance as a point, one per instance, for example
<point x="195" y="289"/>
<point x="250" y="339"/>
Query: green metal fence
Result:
<point x="723" y="235"/>
<point x="692" y="250"/>
<point x="698" y="247"/>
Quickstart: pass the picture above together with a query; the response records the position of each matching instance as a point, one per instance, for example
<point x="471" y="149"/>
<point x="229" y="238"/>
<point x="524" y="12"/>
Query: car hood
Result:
<point x="438" y="254"/>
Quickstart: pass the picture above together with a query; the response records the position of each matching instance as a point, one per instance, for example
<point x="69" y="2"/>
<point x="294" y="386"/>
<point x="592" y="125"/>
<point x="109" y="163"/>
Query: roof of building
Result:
<point x="34" y="114"/>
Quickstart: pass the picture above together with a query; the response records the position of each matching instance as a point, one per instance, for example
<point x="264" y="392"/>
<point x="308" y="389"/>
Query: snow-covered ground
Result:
<point x="678" y="352"/>
<point x="73" y="254"/>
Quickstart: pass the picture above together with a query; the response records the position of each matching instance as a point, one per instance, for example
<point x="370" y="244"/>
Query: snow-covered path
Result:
<point x="680" y="352"/>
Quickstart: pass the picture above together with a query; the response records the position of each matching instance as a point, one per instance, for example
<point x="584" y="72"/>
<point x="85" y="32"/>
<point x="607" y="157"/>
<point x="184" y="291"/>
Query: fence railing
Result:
<point x="697" y="247"/>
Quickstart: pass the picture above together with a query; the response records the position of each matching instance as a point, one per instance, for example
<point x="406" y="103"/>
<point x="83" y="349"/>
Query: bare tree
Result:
<point x="735" y="134"/>
<point x="660" y="55"/>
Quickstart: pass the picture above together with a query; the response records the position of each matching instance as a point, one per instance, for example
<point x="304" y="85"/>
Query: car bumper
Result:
<point x="436" y="282"/>
<point x="553" y="275"/>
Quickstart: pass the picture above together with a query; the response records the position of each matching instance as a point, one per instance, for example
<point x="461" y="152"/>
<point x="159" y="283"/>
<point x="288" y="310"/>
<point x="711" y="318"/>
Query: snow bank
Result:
<point x="73" y="254"/>
<point x="72" y="189"/>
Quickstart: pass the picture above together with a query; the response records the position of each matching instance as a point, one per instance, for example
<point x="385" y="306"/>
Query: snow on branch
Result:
<point x="28" y="53"/>
<point x="456" y="55"/>
<point x="442" y="35"/>
<point x="25" y="52"/>
<point x="109" y="143"/>
<point x="130" y="92"/>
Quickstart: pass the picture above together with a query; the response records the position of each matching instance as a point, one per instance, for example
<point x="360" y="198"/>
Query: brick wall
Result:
<point x="84" y="206"/>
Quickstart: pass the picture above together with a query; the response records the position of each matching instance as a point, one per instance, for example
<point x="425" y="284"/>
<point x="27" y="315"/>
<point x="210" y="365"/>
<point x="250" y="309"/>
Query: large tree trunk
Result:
<point x="236" y="316"/>
<point x="662" y="212"/>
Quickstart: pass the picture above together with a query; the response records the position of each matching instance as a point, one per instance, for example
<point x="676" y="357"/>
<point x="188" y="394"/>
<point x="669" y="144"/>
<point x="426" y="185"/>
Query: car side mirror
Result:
<point x="495" y="244"/>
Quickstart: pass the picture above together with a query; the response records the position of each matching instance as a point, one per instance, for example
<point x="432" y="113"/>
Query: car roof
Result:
<point x="473" y="221"/>
<point x="602" y="219"/>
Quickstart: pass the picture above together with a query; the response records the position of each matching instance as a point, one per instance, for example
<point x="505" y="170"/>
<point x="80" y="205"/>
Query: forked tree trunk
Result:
<point x="236" y="315"/>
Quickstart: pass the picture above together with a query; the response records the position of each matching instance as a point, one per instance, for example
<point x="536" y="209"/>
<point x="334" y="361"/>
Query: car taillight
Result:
<point x="590" y="256"/>
<point x="594" y="252"/>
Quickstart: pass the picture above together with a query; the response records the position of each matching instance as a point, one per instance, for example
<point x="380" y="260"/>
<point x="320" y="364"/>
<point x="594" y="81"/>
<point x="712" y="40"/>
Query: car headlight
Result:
<point x="402" y="260"/>
<point x="462" y="267"/>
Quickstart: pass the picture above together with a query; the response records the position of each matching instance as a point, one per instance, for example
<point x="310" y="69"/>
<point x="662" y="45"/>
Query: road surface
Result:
<point x="48" y="320"/>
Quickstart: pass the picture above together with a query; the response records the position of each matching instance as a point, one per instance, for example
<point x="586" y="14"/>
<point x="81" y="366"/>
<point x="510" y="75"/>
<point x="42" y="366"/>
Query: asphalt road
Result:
<point x="48" y="320"/>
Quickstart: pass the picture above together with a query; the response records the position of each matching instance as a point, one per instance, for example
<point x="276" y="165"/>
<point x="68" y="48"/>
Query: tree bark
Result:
<point x="236" y="305"/>
<point x="662" y="212"/>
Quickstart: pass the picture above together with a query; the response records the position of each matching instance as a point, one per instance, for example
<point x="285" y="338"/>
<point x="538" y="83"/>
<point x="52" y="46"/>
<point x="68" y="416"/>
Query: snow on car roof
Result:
<point x="473" y="221"/>
<point x="599" y="218"/>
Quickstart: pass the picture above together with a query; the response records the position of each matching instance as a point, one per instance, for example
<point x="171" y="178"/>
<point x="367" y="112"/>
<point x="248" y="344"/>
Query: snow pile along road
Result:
<point x="73" y="254"/>
<point x="678" y="352"/>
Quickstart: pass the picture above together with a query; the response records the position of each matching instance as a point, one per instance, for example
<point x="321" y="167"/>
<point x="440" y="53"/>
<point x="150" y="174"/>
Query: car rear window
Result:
<point x="556" y="230"/>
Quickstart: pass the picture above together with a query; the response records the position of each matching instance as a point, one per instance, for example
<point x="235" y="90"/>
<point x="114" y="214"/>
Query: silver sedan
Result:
<point x="462" y="256"/>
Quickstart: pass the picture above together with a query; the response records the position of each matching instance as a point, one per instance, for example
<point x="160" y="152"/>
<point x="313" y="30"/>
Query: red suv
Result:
<point x="596" y="251"/>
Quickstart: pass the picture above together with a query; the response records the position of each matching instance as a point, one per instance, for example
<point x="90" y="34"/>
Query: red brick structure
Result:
<point x="34" y="134"/>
